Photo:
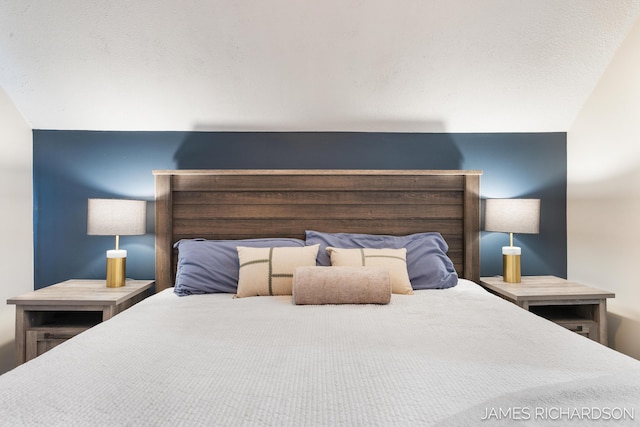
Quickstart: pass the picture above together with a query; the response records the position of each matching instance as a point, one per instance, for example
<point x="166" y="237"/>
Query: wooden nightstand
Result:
<point x="580" y="308"/>
<point x="52" y="315"/>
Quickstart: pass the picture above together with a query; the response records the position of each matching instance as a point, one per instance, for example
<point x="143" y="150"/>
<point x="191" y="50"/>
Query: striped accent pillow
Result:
<point x="269" y="271"/>
<point x="393" y="259"/>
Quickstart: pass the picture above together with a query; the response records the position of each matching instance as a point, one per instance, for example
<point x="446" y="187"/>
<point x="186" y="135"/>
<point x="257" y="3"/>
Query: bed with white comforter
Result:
<point x="453" y="356"/>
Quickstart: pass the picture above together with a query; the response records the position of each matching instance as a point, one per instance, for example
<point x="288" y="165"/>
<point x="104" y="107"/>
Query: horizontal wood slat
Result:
<point x="315" y="182"/>
<point x="319" y="212"/>
<point x="456" y="246"/>
<point x="249" y="227"/>
<point x="317" y="197"/>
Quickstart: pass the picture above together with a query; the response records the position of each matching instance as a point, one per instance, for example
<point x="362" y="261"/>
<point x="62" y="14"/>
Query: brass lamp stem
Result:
<point x="510" y="240"/>
<point x="118" y="242"/>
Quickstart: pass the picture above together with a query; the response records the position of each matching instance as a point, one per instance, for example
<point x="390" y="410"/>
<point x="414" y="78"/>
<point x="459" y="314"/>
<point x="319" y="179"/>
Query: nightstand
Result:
<point x="52" y="315"/>
<point x="579" y="308"/>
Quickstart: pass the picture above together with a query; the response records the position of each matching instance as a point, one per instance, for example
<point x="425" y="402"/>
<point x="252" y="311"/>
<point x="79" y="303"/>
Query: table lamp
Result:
<point x="512" y="216"/>
<point x="116" y="217"/>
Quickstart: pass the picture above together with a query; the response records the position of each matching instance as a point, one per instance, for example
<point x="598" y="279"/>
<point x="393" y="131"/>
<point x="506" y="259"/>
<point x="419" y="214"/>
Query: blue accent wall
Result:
<point x="73" y="166"/>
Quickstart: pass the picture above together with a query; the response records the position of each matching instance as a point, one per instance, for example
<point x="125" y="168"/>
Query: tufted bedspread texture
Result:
<point x="436" y="357"/>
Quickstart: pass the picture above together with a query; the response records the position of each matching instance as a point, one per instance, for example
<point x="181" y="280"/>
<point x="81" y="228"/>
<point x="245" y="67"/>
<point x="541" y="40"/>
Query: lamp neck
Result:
<point x="118" y="242"/>
<point x="510" y="240"/>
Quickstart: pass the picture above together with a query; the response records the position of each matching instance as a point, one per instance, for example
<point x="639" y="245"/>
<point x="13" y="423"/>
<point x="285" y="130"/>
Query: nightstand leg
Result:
<point x="601" y="318"/>
<point x="20" y="339"/>
<point x="108" y="312"/>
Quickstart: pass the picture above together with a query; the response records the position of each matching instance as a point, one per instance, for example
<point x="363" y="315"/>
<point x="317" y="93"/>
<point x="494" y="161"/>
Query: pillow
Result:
<point x="393" y="259"/>
<point x="269" y="271"/>
<point x="211" y="266"/>
<point x="341" y="285"/>
<point x="428" y="265"/>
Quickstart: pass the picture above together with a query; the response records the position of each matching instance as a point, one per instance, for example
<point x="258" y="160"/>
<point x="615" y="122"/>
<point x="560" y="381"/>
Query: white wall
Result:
<point x="603" y="205"/>
<point x="16" y="220"/>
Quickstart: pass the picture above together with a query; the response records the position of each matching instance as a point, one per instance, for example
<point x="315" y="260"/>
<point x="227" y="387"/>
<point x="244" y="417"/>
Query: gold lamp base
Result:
<point x="116" y="272"/>
<point x="511" y="268"/>
<point x="511" y="264"/>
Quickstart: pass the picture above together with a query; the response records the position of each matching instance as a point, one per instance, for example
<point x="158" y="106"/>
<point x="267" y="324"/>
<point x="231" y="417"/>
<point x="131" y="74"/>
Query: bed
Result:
<point x="451" y="356"/>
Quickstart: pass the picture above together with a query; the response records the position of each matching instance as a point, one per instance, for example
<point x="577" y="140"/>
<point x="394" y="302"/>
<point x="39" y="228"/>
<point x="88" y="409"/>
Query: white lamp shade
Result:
<point x="513" y="215"/>
<point x="116" y="217"/>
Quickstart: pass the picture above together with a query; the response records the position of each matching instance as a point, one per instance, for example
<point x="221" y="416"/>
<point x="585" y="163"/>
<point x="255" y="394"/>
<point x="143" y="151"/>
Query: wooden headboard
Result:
<point x="240" y="204"/>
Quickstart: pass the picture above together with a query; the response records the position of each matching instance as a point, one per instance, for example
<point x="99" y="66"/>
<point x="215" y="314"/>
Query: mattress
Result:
<point x="439" y="357"/>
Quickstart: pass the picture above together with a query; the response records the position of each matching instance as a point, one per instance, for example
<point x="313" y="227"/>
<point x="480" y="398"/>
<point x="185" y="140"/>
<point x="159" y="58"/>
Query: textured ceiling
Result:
<point x="376" y="65"/>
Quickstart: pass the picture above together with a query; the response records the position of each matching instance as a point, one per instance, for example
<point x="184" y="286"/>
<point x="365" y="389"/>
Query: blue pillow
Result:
<point x="211" y="266"/>
<point x="428" y="265"/>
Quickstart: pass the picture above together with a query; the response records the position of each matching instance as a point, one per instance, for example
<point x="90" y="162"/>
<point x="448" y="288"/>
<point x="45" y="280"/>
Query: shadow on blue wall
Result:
<point x="73" y="166"/>
<point x="313" y="150"/>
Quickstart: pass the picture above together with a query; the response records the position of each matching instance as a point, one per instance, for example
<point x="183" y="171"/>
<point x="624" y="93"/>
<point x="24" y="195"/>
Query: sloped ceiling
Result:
<point x="375" y="65"/>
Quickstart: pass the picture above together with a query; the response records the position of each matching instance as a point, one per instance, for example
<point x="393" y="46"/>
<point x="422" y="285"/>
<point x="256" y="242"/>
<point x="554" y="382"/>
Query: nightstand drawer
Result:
<point x="586" y="328"/>
<point x="576" y="318"/>
<point x="41" y="340"/>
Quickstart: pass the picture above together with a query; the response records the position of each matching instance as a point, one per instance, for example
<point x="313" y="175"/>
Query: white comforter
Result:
<point x="451" y="356"/>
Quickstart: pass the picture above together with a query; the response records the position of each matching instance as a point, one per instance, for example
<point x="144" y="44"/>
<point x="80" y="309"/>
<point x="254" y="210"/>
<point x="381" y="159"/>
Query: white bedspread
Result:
<point x="435" y="357"/>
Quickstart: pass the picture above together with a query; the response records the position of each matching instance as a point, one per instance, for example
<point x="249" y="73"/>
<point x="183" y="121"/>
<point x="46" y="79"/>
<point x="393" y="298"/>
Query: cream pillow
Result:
<point x="393" y="259"/>
<point x="269" y="271"/>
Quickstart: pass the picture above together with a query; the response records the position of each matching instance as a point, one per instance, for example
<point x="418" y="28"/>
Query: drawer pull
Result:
<point x="581" y="329"/>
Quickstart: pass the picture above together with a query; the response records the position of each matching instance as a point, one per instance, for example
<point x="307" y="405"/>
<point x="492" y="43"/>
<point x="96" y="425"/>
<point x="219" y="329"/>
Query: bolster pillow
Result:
<point x="341" y="285"/>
